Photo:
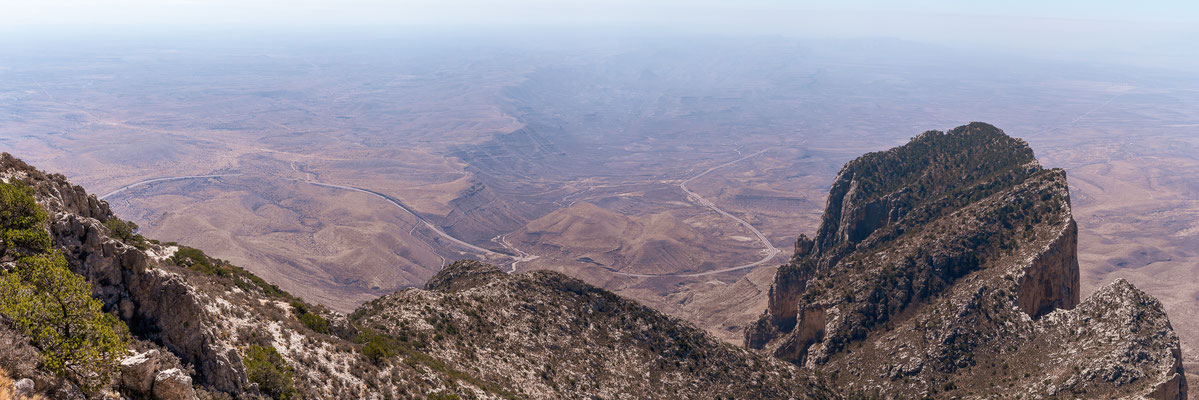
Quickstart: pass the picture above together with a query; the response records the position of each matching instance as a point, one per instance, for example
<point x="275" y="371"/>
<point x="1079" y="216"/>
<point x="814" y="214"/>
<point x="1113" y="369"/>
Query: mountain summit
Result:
<point x="948" y="267"/>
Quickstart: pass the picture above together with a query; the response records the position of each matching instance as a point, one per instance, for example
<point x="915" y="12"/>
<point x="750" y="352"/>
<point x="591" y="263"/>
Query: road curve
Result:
<point x="401" y="205"/>
<point x="520" y="256"/>
<point x="771" y="251"/>
<point x="389" y="199"/>
<point x="173" y="178"/>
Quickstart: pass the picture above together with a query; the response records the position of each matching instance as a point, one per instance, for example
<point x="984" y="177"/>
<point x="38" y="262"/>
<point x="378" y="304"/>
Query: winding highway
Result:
<point x="771" y="251"/>
<point x="517" y="259"/>
<point x="173" y="178"/>
<point x="401" y="205"/>
<point x="396" y="202"/>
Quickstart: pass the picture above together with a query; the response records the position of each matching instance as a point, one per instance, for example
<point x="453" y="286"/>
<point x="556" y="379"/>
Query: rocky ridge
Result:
<point x="948" y="267"/>
<point x="202" y="328"/>
<point x="545" y="335"/>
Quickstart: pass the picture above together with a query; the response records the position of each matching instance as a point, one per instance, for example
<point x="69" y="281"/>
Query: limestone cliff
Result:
<point x="161" y="306"/>
<point x="948" y="267"/>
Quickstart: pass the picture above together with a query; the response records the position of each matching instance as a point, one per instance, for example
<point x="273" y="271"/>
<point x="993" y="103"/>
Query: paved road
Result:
<point x="401" y="205"/>
<point x="517" y="259"/>
<point x="768" y="248"/>
<point x="770" y="251"/>
<point x="389" y="199"/>
<point x="168" y="179"/>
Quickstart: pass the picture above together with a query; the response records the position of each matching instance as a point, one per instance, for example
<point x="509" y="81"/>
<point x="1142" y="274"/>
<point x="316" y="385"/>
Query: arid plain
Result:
<point x="342" y="173"/>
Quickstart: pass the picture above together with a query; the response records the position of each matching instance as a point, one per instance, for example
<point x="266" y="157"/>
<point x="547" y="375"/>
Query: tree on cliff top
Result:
<point x="21" y="221"/>
<point x="43" y="299"/>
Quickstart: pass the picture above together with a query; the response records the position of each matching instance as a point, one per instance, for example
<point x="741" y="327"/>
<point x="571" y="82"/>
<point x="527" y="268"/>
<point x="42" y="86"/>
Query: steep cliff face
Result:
<point x="943" y="261"/>
<point x="161" y="306"/>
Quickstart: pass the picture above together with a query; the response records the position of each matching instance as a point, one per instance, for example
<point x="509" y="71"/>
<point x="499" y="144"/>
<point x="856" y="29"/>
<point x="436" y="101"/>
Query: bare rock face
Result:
<point x="138" y="371"/>
<point x="463" y="275"/>
<point x="141" y="372"/>
<point x="1051" y="280"/>
<point x="173" y="384"/>
<point x="1128" y="340"/>
<point x="942" y="267"/>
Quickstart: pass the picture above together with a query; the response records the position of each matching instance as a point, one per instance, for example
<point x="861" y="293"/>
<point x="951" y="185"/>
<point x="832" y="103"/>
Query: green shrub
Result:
<point x="299" y="307"/>
<point x="26" y="241"/>
<point x="196" y="260"/>
<point x="377" y="347"/>
<point x="54" y="307"/>
<point x="311" y="320"/>
<point x="315" y="322"/>
<point x="265" y="367"/>
<point x="18" y="210"/>
<point x="22" y="222"/>
<point x="126" y="231"/>
<point x="121" y="229"/>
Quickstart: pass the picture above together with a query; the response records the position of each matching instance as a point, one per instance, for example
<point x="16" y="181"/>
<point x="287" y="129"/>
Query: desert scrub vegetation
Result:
<point x="381" y="347"/>
<point x="265" y="367"/>
<point x="195" y="260"/>
<point x="311" y="320"/>
<point x="44" y="300"/>
<point x="127" y="232"/>
<point x="377" y="347"/>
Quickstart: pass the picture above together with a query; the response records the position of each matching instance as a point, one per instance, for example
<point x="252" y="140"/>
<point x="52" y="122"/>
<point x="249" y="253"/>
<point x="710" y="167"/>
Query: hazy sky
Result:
<point x="1166" y="28"/>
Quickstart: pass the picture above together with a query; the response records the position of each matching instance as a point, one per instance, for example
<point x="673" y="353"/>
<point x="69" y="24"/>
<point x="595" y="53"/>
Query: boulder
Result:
<point x="138" y="372"/>
<point x="23" y="388"/>
<point x="173" y="384"/>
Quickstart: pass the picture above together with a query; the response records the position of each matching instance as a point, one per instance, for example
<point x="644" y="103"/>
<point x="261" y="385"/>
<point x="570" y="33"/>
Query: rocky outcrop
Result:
<point x="160" y="306"/>
<point x="153" y="374"/>
<point x="173" y="384"/>
<point x="545" y="335"/>
<point x="1051" y="280"/>
<point x="462" y="275"/>
<point x="137" y="372"/>
<point x="945" y="263"/>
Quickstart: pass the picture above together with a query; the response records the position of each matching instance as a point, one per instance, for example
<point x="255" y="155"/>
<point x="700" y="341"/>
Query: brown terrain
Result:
<point x="343" y="175"/>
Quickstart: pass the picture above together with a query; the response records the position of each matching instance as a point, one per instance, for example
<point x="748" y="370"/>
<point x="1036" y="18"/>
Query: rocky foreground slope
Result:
<point x="202" y="328"/>
<point x="948" y="267"/>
